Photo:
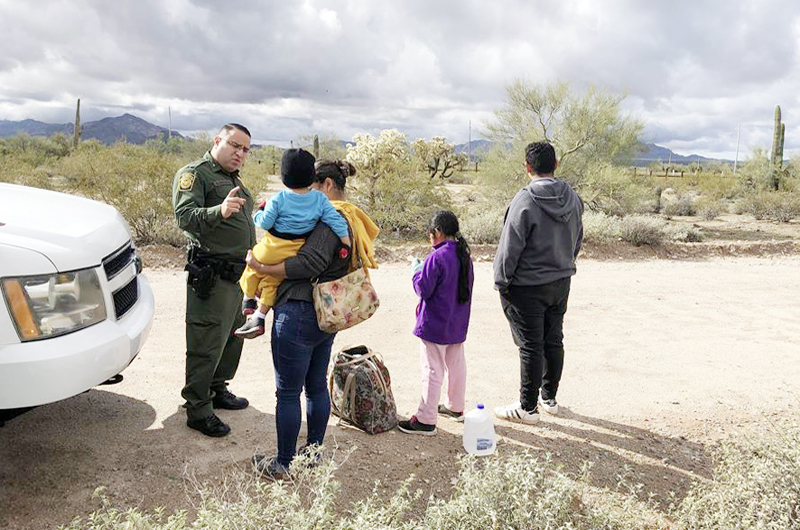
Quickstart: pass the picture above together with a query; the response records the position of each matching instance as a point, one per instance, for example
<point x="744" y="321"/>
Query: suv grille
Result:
<point x="126" y="297"/>
<point x="117" y="261"/>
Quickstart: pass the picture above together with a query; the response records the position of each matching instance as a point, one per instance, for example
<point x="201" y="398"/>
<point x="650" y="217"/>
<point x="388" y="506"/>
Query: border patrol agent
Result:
<point x="214" y="209"/>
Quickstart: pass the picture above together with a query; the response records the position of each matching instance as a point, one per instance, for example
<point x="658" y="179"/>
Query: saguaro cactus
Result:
<point x="316" y="146"/>
<point x="76" y="134"/>
<point x="778" y="132"/>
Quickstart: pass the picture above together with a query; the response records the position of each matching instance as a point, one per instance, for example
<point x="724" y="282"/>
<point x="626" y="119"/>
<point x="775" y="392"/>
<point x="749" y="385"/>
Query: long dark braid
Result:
<point x="447" y="223"/>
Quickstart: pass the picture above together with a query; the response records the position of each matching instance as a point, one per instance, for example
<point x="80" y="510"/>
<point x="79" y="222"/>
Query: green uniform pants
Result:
<point x="212" y="350"/>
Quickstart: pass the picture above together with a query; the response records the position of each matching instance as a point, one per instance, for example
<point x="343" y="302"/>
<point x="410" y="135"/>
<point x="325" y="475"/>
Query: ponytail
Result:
<point x="462" y="250"/>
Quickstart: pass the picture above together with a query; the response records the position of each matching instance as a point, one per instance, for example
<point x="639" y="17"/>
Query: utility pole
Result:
<point x="736" y="160"/>
<point x="469" y="145"/>
<point x="169" y="131"/>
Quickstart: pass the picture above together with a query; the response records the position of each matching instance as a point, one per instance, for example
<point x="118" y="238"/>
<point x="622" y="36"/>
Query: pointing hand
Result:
<point x="232" y="203"/>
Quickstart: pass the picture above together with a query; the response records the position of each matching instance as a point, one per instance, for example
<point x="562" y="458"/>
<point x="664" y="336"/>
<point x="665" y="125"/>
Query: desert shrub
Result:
<point x="462" y="177"/>
<point x="684" y="206"/>
<point x="515" y="491"/>
<point x="643" y="230"/>
<point x="683" y="233"/>
<point x="772" y="205"/>
<point x="406" y="204"/>
<point x="599" y="227"/>
<point x="709" y="208"/>
<point x="755" y="485"/>
<point x="134" y="179"/>
<point x="482" y="224"/>
<point x="614" y="191"/>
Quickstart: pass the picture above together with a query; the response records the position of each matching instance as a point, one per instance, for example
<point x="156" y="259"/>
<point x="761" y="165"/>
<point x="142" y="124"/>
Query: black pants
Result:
<point x="536" y="316"/>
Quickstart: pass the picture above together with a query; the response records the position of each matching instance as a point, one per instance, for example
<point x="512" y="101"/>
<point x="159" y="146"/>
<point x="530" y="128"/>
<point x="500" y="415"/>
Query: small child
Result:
<point x="444" y="284"/>
<point x="289" y="216"/>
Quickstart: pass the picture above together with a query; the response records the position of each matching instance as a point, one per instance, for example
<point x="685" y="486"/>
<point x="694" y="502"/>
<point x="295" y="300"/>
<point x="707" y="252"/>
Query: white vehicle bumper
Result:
<point x="44" y="371"/>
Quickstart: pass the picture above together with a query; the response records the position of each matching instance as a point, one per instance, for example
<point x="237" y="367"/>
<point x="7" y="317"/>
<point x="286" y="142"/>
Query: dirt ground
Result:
<point x="668" y="350"/>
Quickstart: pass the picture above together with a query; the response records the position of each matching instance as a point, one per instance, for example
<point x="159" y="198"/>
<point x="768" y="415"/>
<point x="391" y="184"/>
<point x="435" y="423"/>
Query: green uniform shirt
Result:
<point x="197" y="193"/>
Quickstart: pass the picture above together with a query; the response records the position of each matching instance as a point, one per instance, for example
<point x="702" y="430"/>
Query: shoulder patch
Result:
<point x="186" y="182"/>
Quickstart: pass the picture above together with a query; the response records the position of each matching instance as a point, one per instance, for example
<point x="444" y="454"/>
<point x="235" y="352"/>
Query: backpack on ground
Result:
<point x="361" y="392"/>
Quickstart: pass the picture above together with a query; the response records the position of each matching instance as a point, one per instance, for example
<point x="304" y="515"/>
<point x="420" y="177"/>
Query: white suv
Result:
<point x="75" y="307"/>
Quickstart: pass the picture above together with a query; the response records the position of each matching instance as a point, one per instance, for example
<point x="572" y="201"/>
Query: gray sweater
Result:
<point x="542" y="235"/>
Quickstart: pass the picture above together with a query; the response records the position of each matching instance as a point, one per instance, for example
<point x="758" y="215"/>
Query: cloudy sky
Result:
<point x="696" y="71"/>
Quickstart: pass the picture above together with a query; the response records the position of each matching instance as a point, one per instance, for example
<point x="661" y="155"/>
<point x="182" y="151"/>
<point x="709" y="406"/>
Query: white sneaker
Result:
<point x="516" y="413"/>
<point x="549" y="406"/>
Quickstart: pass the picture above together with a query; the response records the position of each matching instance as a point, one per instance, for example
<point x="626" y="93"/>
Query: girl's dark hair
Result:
<point x="336" y="170"/>
<point x="447" y="223"/>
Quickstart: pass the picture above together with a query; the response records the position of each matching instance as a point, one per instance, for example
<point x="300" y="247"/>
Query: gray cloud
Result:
<point x="693" y="70"/>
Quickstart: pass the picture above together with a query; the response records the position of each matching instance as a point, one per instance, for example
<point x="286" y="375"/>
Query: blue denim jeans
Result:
<point x="300" y="355"/>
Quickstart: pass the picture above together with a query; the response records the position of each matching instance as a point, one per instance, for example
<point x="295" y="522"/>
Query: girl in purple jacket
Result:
<point x="444" y="284"/>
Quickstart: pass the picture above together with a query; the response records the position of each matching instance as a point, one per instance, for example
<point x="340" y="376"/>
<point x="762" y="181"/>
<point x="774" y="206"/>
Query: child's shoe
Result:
<point x="444" y="411"/>
<point x="249" y="306"/>
<point x="414" y="426"/>
<point x="254" y="327"/>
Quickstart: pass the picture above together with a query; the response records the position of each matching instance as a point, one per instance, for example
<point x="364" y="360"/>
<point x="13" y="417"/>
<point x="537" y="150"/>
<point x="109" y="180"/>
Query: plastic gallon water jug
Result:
<point x="479" y="436"/>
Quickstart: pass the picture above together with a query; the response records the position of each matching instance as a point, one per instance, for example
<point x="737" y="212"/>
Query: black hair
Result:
<point x="541" y="157"/>
<point x="446" y="222"/>
<point x="336" y="170"/>
<point x="231" y="126"/>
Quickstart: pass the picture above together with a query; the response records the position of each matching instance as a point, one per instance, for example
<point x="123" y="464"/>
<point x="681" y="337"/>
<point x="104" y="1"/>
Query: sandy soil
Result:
<point x="663" y="358"/>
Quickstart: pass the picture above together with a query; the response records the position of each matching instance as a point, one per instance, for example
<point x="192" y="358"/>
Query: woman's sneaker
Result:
<point x="517" y="414"/>
<point x="269" y="467"/>
<point x="254" y="327"/>
<point x="444" y="411"/>
<point x="549" y="406"/>
<point x="414" y="426"/>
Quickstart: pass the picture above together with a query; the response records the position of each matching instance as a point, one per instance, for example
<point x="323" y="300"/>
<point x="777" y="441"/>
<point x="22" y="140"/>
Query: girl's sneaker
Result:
<point x="444" y="411"/>
<point x="414" y="426"/>
<point x="517" y="414"/>
<point x="254" y="327"/>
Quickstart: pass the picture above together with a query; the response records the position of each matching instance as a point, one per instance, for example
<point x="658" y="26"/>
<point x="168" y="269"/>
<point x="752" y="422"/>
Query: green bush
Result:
<point x="756" y="485"/>
<point x="134" y="179"/>
<point x="601" y="228"/>
<point x="614" y="191"/>
<point x="643" y="230"/>
<point x="520" y="490"/>
<point x="772" y="205"/>
<point x="709" y="208"/>
<point x="482" y="224"/>
<point x="684" y="206"/>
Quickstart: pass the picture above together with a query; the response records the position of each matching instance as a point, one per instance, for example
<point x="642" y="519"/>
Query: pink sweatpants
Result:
<point x="436" y="361"/>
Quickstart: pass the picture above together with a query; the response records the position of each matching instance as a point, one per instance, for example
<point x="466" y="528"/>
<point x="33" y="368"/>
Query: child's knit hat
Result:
<point x="297" y="168"/>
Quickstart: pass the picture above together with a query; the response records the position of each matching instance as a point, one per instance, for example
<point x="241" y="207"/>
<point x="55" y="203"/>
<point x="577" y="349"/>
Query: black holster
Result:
<point x="203" y="271"/>
<point x="201" y="278"/>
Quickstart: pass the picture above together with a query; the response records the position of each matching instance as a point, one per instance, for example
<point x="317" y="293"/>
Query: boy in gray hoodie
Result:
<point x="535" y="259"/>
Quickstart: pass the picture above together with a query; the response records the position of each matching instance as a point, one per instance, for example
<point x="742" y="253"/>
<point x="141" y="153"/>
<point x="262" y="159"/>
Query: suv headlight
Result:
<point x="54" y="304"/>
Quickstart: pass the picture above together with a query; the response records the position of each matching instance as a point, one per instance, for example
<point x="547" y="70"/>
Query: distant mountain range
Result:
<point x="108" y="130"/>
<point x="137" y="131"/>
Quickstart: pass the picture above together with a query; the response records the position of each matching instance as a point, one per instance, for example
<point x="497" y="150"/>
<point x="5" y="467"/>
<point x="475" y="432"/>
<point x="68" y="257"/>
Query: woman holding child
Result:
<point x="300" y="350"/>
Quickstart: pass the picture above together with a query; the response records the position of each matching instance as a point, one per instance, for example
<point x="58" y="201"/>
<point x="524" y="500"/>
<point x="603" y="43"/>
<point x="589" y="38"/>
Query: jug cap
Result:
<point x="480" y="406"/>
